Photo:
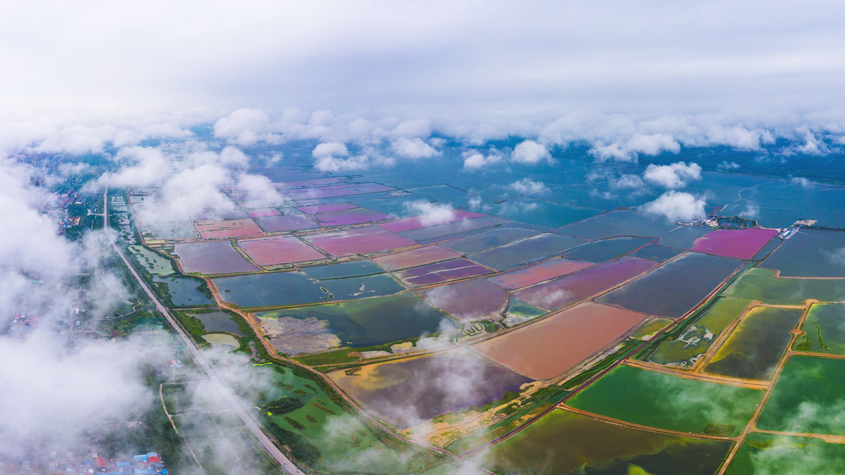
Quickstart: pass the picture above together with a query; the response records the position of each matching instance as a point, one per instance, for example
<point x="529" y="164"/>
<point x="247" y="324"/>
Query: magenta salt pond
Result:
<point x="738" y="243"/>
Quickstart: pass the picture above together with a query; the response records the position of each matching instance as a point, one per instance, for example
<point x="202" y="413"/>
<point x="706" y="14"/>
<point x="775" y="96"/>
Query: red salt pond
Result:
<point x="415" y="257"/>
<point x="326" y="207"/>
<point x="469" y="300"/>
<point x="534" y="274"/>
<point x="364" y="240"/>
<point x="216" y="229"/>
<point x="738" y="243"/>
<point x="279" y="250"/>
<point x="586" y="283"/>
<point x="347" y="217"/>
<point x="442" y="272"/>
<point x="554" y="345"/>
<point x="406" y="224"/>
<point x="288" y="222"/>
<point x="262" y="212"/>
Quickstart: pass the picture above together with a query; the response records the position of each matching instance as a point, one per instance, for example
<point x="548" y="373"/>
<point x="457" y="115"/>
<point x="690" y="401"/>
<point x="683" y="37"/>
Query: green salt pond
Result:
<point x="767" y="454"/>
<point x="668" y="402"/>
<point x="756" y="345"/>
<point x="824" y="329"/>
<point x="562" y="442"/>
<point x="808" y="397"/>
<point x="697" y="338"/>
<point x="761" y="284"/>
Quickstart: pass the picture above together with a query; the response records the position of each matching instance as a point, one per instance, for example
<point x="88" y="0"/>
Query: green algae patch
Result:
<point x="754" y="348"/>
<point x="764" y="454"/>
<point x="761" y="284"/>
<point x="807" y="397"/>
<point x="667" y="402"/>
<point x="824" y="330"/>
<point x="562" y="442"/>
<point x="686" y="349"/>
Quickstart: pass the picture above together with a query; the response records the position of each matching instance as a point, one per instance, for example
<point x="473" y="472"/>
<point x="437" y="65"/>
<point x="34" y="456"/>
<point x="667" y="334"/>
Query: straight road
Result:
<point x="200" y="360"/>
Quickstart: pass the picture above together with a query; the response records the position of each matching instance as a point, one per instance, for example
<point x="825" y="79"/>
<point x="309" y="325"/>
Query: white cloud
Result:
<point x="612" y="152"/>
<point x="332" y="149"/>
<point x="430" y="213"/>
<point x="530" y="152"/>
<point x="475" y="160"/>
<point x="676" y="175"/>
<point x="725" y="166"/>
<point x="245" y="127"/>
<point x="413" y="148"/>
<point x="527" y="186"/>
<point x="677" y="206"/>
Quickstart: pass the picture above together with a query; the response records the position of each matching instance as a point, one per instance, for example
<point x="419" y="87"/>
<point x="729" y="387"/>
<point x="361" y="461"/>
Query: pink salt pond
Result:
<point x="468" y="300"/>
<point x="263" y="212"/>
<point x="406" y="224"/>
<point x="279" y="250"/>
<point x="364" y="240"/>
<point x="586" y="283"/>
<point x="352" y="216"/>
<point x="415" y="257"/>
<point x="538" y="273"/>
<point x="216" y="229"/>
<point x="737" y="243"/>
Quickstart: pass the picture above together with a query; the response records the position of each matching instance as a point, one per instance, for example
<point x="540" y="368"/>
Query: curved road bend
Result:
<point x="201" y="361"/>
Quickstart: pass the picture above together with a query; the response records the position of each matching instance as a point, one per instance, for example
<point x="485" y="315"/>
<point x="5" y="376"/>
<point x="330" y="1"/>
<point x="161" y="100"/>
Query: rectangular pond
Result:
<point x="761" y="284"/>
<point x="810" y="253"/>
<point x="547" y="348"/>
<point x="668" y="402"/>
<point x="217" y="257"/>
<point x="214" y="229"/>
<point x="415" y="257"/>
<point x="807" y="397"/>
<point x="288" y="222"/>
<point x="519" y="253"/>
<point x="538" y="273"/>
<point x="366" y="240"/>
<point x="441" y="272"/>
<point x="279" y="250"/>
<point x="488" y="239"/>
<point x="349" y="217"/>
<point x="295" y="288"/>
<point x="756" y="345"/>
<point x="687" y="348"/>
<point x="586" y="283"/>
<point x="563" y="442"/>
<point x="736" y="243"/>
<point x="432" y="233"/>
<point x="824" y="329"/>
<point x="468" y="300"/>
<point x="607" y="249"/>
<point x="414" y="390"/>
<point x="358" y="323"/>
<point x="675" y="288"/>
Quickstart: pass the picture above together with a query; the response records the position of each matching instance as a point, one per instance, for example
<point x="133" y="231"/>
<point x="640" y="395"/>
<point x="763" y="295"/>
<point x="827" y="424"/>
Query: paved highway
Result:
<point x="200" y="360"/>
